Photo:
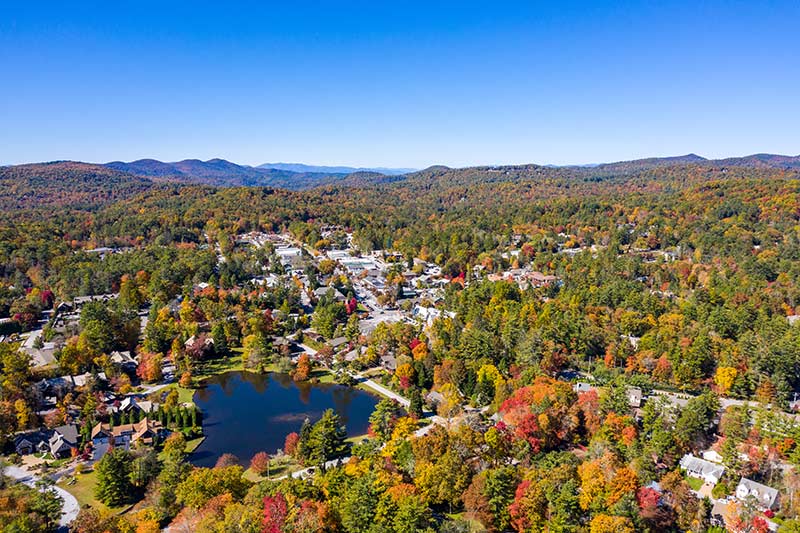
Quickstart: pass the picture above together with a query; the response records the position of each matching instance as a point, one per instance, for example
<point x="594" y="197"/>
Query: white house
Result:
<point x="700" y="468"/>
<point x="765" y="496"/>
<point x="713" y="456"/>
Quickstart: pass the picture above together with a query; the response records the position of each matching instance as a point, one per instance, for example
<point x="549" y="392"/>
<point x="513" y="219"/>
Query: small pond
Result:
<point x="246" y="413"/>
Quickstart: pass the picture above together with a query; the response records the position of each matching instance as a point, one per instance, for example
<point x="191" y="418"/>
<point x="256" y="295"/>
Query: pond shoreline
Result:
<point x="246" y="412"/>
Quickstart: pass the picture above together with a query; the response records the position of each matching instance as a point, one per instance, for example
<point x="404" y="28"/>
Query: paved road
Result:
<point x="382" y="390"/>
<point x="69" y="506"/>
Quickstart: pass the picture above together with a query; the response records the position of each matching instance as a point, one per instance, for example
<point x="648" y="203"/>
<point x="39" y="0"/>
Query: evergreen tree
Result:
<point x="326" y="439"/>
<point x="415" y="407"/>
<point x="304" y="442"/>
<point x="382" y="419"/>
<point x="113" y="477"/>
<point x="220" y="340"/>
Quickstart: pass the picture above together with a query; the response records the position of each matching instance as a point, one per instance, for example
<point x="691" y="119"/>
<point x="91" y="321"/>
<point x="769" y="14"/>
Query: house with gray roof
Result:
<point x="63" y="440"/>
<point x="765" y="497"/>
<point x="700" y="468"/>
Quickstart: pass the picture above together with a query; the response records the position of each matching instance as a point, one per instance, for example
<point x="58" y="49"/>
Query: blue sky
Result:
<point x="397" y="84"/>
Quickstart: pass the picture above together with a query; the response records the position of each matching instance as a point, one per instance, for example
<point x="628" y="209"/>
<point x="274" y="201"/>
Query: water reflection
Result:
<point x="246" y="413"/>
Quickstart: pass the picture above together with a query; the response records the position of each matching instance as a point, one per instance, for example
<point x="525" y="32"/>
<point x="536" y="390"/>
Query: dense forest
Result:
<point x="678" y="277"/>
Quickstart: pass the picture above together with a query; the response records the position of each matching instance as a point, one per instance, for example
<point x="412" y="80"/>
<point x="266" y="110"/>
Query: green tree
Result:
<point x="415" y="403"/>
<point x="357" y="505"/>
<point x="382" y="419"/>
<point x="326" y="439"/>
<point x="114" y="478"/>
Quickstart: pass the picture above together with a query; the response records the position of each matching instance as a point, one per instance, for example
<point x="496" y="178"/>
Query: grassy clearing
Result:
<point x="355" y="439"/>
<point x="193" y="444"/>
<point x="694" y="482"/>
<point x="278" y="468"/>
<point x="474" y="525"/>
<point x="212" y="367"/>
<point x="83" y="490"/>
<point x="323" y="375"/>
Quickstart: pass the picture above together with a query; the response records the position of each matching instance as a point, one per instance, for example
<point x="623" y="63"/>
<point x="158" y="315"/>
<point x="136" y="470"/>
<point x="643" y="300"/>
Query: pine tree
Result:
<point x="326" y="439"/>
<point x="113" y="477"/>
<point x="220" y="340"/>
<point x="304" y="442"/>
<point x="415" y="407"/>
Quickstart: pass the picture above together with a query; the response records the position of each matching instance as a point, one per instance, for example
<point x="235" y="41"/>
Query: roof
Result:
<point x="143" y="405"/>
<point x="136" y="431"/>
<point x="69" y="432"/>
<point x="81" y="379"/>
<point x="701" y="467"/>
<point x="33" y="437"/>
<point x="122" y="358"/>
<point x="338" y="341"/>
<point x="765" y="495"/>
<point x="324" y="291"/>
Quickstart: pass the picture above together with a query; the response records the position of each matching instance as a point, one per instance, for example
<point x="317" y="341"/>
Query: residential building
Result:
<point x="766" y="497"/>
<point x="700" y="468"/>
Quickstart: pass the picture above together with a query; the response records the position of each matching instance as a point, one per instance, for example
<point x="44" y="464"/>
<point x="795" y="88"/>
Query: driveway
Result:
<point x="69" y="506"/>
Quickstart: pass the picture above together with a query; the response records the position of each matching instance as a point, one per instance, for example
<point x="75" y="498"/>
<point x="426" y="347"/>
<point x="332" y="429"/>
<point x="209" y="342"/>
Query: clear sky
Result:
<point x="397" y="83"/>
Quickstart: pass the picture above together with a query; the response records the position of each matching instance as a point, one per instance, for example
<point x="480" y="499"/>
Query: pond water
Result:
<point x="246" y="413"/>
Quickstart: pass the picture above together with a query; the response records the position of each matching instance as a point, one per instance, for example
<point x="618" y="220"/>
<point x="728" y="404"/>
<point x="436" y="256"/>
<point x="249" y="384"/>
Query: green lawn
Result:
<point x="694" y="482"/>
<point x="313" y="344"/>
<point x="279" y="469"/>
<point x="355" y="439"/>
<point x="212" y="367"/>
<point x="83" y="490"/>
<point x="192" y="444"/>
<point x="323" y="375"/>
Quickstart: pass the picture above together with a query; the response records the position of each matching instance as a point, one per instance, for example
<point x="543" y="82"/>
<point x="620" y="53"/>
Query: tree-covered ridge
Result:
<point x="65" y="185"/>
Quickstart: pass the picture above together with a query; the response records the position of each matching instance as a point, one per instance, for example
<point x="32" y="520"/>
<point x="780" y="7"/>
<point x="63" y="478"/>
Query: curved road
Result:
<point x="69" y="506"/>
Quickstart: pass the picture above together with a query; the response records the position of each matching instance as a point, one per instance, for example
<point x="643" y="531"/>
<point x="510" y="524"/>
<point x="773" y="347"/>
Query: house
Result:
<point x="354" y="354"/>
<point x="766" y="497"/>
<point x="429" y="314"/>
<point x="537" y="279"/>
<point x="713" y="456"/>
<point x="633" y="341"/>
<point x="145" y="431"/>
<point x="63" y="440"/>
<point x="634" y="395"/>
<point x="203" y="342"/>
<point x="58" y="386"/>
<point x="434" y="398"/>
<point x="323" y="292"/>
<point x="313" y="335"/>
<point x="582" y="387"/>
<point x="83" y="379"/>
<point x="30" y="442"/>
<point x="338" y="342"/>
<point x="389" y="362"/>
<point x="131" y="404"/>
<point x="281" y="343"/>
<point x="700" y="468"/>
<point x="123" y="360"/>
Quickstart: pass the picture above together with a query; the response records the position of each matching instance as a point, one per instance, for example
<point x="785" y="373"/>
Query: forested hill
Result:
<point x="763" y="161"/>
<point x="75" y="185"/>
<point x="65" y="184"/>
<point x="222" y="173"/>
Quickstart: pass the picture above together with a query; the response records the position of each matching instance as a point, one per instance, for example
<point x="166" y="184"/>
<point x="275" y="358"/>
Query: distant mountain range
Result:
<point x="755" y="161"/>
<point x="86" y="185"/>
<point x="300" y="167"/>
<point x="223" y="173"/>
<point x="296" y="176"/>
